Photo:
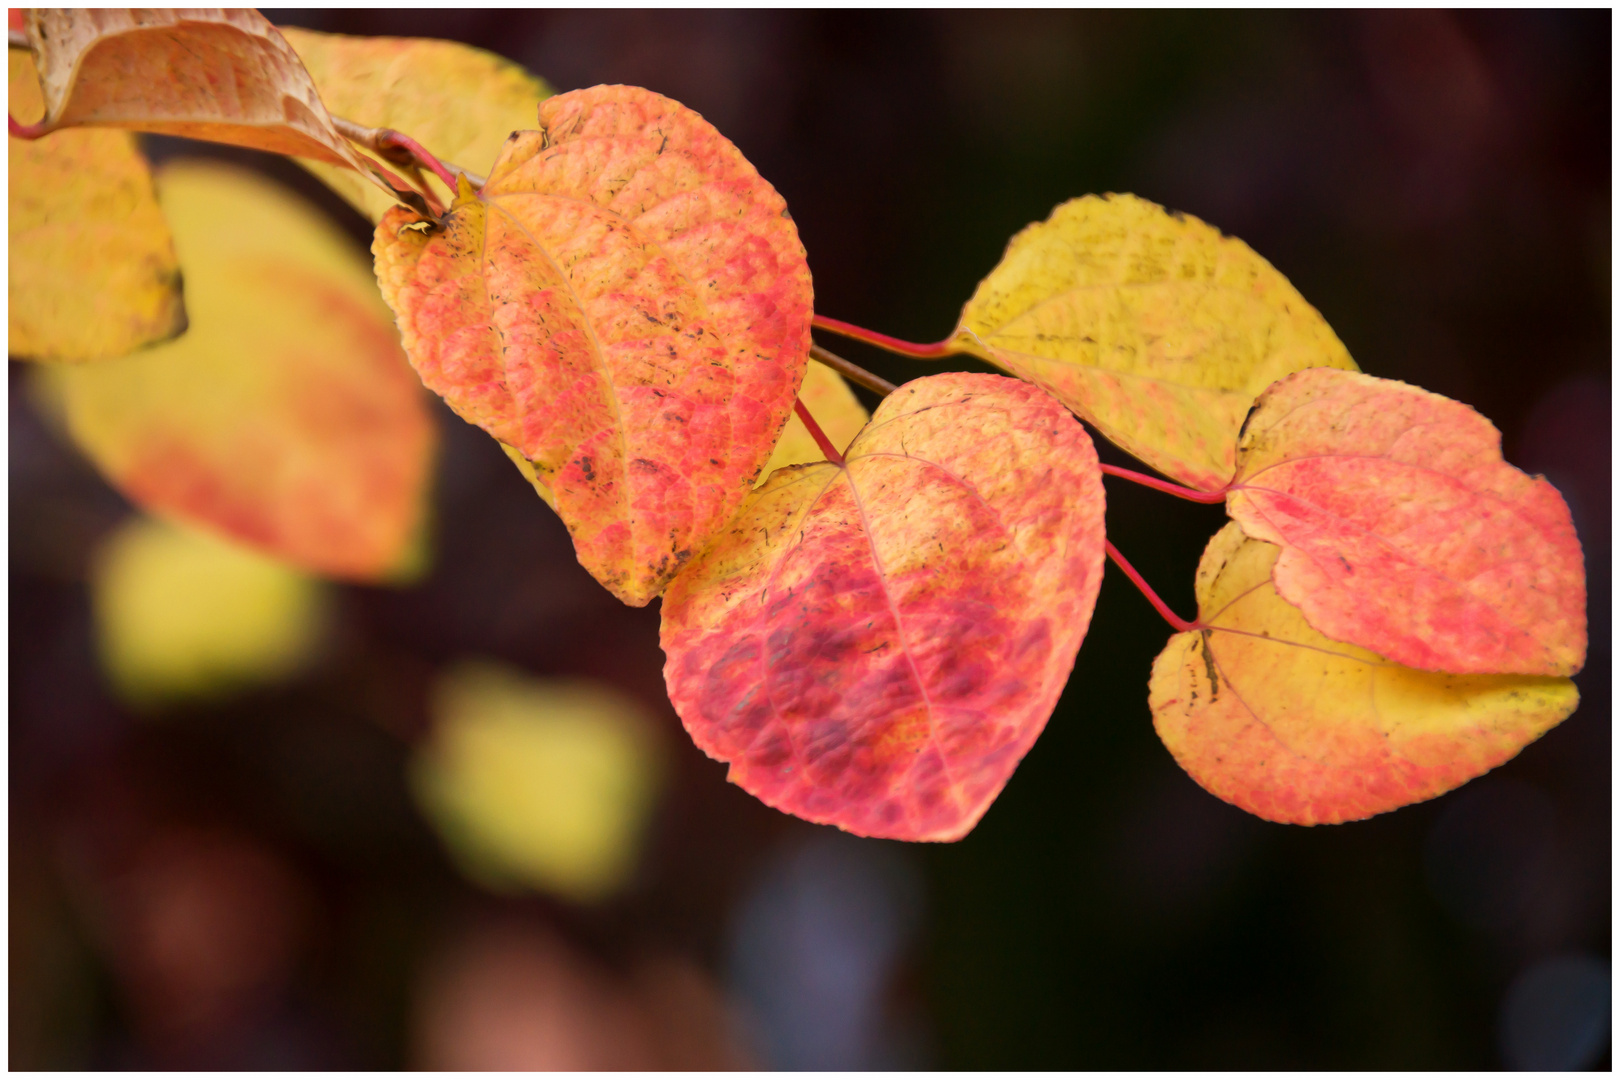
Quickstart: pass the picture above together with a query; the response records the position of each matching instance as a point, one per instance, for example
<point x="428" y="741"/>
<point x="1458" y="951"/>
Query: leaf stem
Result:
<point x="884" y="341"/>
<point x="1147" y="590"/>
<point x="817" y="434"/>
<point x="853" y="372"/>
<point x="1190" y="494"/>
<point x="399" y="148"/>
<point x="24" y="131"/>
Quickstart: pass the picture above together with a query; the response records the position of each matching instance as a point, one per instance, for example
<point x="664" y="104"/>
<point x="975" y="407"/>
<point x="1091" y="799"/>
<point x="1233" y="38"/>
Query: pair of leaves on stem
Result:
<point x="1393" y="610"/>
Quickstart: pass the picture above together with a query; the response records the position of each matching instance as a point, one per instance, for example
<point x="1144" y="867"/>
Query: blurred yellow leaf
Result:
<point x="834" y="406"/>
<point x="92" y="267"/>
<point x="541" y="782"/>
<point x="1150" y="325"/>
<point x="459" y="102"/>
<point x="287" y="416"/>
<point x="179" y="613"/>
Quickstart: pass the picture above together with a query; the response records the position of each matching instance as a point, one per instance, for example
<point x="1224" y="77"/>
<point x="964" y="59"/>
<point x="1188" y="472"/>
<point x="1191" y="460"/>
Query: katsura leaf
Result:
<point x="218" y="74"/>
<point x="1404" y="531"/>
<point x="1149" y="324"/>
<point x="92" y="267"/>
<point x="286" y="417"/>
<point x="626" y="304"/>
<point x="1288" y="724"/>
<point x="877" y="646"/>
<point x="459" y="102"/>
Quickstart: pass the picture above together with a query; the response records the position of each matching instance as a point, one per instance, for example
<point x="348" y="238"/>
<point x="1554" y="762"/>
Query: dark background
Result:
<point x="1437" y="184"/>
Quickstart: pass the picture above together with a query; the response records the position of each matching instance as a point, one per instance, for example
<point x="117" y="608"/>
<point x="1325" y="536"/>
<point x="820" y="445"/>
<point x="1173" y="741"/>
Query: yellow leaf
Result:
<point x="179" y="613"/>
<point x="459" y="102"/>
<point x="539" y="782"/>
<point x="220" y="74"/>
<point x="287" y="417"/>
<point x="833" y="405"/>
<point x="92" y="267"/>
<point x="1149" y="324"/>
<point x="1293" y="726"/>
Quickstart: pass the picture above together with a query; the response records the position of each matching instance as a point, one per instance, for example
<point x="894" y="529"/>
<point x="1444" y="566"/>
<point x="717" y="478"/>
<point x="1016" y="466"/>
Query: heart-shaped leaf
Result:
<point x="1405" y="532"/>
<point x="1150" y="325"/>
<point x="459" y="102"/>
<point x="286" y="417"/>
<point x="876" y="646"/>
<point x="625" y="303"/>
<point x="218" y="74"/>
<point x="1293" y="726"/>
<point x="93" y="269"/>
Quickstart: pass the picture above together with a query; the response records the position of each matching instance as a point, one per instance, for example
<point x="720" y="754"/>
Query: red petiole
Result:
<point x="1147" y="590"/>
<point x="884" y="341"/>
<point x="1190" y="494"/>
<point x="817" y="434"/>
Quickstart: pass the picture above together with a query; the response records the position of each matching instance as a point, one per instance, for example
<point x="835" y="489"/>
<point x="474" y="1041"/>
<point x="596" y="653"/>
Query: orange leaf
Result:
<point x="1405" y="532"/>
<point x="93" y="269"/>
<point x="222" y="75"/>
<point x="875" y="647"/>
<point x="626" y="304"/>
<point x="286" y="417"/>
<point x="1273" y="717"/>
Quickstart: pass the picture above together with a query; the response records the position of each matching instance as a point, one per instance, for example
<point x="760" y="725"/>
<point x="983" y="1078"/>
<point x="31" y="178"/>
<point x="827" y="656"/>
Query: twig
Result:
<point x="853" y="372"/>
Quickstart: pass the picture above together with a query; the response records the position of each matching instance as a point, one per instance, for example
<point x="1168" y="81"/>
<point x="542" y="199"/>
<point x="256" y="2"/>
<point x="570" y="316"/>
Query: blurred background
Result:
<point x="342" y="858"/>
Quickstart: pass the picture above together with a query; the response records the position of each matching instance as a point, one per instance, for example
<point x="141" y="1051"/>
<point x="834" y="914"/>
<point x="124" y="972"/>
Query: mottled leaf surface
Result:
<point x="877" y="646"/>
<point x="1150" y="325"/>
<point x="459" y="102"/>
<point x="1404" y="531"/>
<point x="217" y="74"/>
<point x="626" y="304"/>
<point x="93" y="269"/>
<point x="286" y="417"/>
<point x="1293" y="726"/>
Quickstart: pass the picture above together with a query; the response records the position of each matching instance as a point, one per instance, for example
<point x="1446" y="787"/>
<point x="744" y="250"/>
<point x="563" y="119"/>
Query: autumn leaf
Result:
<point x="218" y="74"/>
<point x="92" y="266"/>
<point x="1405" y="532"/>
<point x="627" y="305"/>
<point x="458" y="101"/>
<point x="876" y="646"/>
<point x="180" y="613"/>
<point x="1295" y="727"/>
<point x="834" y="407"/>
<point x="1149" y="324"/>
<point x="286" y="417"/>
<point x="541" y="782"/>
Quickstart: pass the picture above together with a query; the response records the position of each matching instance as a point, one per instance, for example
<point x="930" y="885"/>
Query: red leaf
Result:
<point x="876" y="647"/>
<point x="1403" y="530"/>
